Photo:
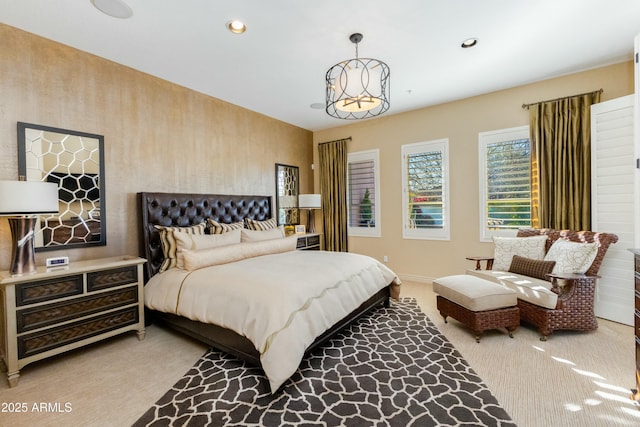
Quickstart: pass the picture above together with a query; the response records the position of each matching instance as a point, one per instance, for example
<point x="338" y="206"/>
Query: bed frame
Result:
<point x="180" y="209"/>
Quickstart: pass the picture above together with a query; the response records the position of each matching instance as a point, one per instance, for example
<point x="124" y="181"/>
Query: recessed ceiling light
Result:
<point x="115" y="8"/>
<point x="236" y="27"/>
<point x="470" y="42"/>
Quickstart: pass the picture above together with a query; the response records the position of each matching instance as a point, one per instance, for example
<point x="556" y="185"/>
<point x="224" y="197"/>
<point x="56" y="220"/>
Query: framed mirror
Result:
<point x="75" y="161"/>
<point x="287" y="190"/>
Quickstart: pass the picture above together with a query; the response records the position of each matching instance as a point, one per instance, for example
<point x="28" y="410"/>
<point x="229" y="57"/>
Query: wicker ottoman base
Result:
<point x="480" y="321"/>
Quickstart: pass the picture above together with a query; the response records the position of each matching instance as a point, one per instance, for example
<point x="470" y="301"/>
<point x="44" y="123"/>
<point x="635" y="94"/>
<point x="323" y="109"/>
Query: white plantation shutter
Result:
<point x="613" y="210"/>
<point x="425" y="174"/>
<point x="509" y="184"/>
<point x="505" y="181"/>
<point x="363" y="194"/>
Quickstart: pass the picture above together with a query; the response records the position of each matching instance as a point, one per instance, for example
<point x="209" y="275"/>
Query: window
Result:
<point x="363" y="193"/>
<point x="505" y="181"/>
<point x="425" y="177"/>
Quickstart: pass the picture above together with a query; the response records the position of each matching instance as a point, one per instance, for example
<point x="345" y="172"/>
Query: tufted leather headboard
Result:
<point x="181" y="209"/>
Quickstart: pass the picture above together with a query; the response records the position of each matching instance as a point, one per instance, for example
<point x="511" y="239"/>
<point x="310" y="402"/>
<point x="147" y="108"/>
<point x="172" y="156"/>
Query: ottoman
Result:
<point x="477" y="303"/>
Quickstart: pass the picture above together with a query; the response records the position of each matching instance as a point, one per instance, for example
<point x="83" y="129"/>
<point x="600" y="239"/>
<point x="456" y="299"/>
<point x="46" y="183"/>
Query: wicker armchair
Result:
<point x="576" y="298"/>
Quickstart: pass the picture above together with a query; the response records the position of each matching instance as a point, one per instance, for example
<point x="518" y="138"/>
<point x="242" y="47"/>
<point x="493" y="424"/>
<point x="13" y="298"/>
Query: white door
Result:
<point x="613" y="204"/>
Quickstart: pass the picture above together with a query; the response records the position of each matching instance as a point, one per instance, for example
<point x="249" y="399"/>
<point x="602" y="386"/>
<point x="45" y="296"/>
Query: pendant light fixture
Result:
<point x="357" y="88"/>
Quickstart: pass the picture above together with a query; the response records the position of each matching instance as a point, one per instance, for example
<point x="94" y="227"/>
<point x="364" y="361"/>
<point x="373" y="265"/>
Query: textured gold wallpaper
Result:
<point x="158" y="136"/>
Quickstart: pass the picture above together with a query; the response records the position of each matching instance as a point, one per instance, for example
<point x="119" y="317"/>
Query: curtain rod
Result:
<point x="526" y="106"/>
<point x="336" y="140"/>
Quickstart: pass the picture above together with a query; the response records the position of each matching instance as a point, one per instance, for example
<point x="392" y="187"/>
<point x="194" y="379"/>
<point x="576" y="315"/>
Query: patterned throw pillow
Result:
<point x="531" y="267"/>
<point x="506" y="247"/>
<point x="168" y="242"/>
<point x="572" y="257"/>
<point x="253" y="224"/>
<point x="216" y="227"/>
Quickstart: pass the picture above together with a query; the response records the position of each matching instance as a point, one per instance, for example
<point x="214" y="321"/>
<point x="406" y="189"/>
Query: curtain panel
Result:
<point x="561" y="162"/>
<point x="333" y="188"/>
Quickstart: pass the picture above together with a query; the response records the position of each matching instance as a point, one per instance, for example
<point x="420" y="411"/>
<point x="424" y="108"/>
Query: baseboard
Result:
<point x="414" y="278"/>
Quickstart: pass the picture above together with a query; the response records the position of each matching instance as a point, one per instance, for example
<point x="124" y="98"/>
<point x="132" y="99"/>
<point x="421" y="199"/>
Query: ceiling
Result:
<point x="278" y="66"/>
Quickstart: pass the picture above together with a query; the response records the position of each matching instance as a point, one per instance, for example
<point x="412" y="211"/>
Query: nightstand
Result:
<point x="59" y="309"/>
<point x="309" y="241"/>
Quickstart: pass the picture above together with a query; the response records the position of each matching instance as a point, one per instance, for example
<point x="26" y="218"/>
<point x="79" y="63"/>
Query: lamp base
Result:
<point x="311" y="226"/>
<point x="23" y="258"/>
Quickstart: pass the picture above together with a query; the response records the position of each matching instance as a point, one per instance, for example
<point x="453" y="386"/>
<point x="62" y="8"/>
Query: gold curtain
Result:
<point x="333" y="188"/>
<point x="561" y="162"/>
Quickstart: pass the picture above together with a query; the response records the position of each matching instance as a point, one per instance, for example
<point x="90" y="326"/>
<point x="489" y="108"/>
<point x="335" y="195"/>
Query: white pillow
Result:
<point x="194" y="260"/>
<point x="194" y="242"/>
<point x="572" y="257"/>
<point x="258" y="235"/>
<point x="506" y="247"/>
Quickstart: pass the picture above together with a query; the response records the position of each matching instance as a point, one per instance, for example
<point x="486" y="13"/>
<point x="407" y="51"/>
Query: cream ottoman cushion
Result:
<point x="474" y="293"/>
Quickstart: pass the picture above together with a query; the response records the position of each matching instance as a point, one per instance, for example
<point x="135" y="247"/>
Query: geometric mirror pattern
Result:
<point x="73" y="163"/>
<point x="287" y="193"/>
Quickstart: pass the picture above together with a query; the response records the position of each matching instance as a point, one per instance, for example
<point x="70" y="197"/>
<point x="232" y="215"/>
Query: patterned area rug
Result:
<point x="390" y="368"/>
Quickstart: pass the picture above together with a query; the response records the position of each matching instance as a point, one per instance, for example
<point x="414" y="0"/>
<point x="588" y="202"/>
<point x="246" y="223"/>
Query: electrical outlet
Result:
<point x="385" y="258"/>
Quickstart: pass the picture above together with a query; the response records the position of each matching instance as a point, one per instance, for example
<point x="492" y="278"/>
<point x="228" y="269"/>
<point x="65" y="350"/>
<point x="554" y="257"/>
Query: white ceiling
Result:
<point x="278" y="66"/>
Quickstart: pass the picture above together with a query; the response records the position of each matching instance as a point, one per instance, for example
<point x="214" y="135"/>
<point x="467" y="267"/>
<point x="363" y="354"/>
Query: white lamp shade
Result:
<point x="309" y="201"/>
<point x="358" y="89"/>
<point x="28" y="197"/>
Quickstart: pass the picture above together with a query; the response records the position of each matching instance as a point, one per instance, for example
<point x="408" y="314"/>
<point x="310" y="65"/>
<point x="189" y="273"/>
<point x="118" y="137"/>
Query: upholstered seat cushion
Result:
<point x="535" y="291"/>
<point x="474" y="293"/>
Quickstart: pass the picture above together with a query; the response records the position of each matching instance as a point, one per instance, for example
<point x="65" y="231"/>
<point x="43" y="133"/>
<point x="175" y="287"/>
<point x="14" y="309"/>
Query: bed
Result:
<point x="238" y="304"/>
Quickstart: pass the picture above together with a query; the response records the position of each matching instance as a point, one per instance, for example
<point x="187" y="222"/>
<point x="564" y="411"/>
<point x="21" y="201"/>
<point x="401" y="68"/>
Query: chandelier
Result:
<point x="357" y="88"/>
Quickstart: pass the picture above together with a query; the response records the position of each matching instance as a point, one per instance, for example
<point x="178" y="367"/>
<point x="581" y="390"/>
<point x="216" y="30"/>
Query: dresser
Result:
<point x="309" y="241"/>
<point x="63" y="308"/>
<point x="636" y="392"/>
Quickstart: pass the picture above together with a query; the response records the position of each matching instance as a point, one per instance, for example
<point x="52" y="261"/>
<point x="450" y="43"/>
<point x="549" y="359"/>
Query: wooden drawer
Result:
<point x="38" y="317"/>
<point x="301" y="243"/>
<point x="42" y="341"/>
<point x="313" y="240"/>
<point x="47" y="290"/>
<point x="110" y="278"/>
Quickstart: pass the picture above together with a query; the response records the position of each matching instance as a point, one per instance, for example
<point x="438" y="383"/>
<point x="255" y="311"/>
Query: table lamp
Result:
<point x="310" y="202"/>
<point x="21" y="201"/>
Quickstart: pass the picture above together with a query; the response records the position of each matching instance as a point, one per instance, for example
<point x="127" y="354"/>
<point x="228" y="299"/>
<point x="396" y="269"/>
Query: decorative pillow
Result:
<point x="194" y="242"/>
<point x="531" y="267"/>
<point x="216" y="227"/>
<point x="256" y="236"/>
<point x="572" y="257"/>
<point x="194" y="260"/>
<point x="506" y="247"/>
<point x="253" y="224"/>
<point x="168" y="242"/>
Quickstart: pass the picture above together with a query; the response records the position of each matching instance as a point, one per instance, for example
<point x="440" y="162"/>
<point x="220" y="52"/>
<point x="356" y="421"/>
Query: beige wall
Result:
<point x="460" y="122"/>
<point x="158" y="136"/>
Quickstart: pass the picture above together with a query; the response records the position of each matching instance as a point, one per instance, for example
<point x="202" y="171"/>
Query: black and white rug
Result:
<point x="390" y="368"/>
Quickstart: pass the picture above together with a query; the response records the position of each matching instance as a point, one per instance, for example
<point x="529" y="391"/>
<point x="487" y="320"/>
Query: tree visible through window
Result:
<point x="363" y="193"/>
<point x="425" y="190"/>
<point x="424" y="173"/>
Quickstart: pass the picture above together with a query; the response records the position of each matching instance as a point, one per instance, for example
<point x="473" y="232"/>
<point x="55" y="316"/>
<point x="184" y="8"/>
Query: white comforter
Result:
<point x="281" y="302"/>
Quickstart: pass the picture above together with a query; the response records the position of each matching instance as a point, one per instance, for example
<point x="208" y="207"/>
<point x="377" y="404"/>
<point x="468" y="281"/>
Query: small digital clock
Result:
<point x="57" y="261"/>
